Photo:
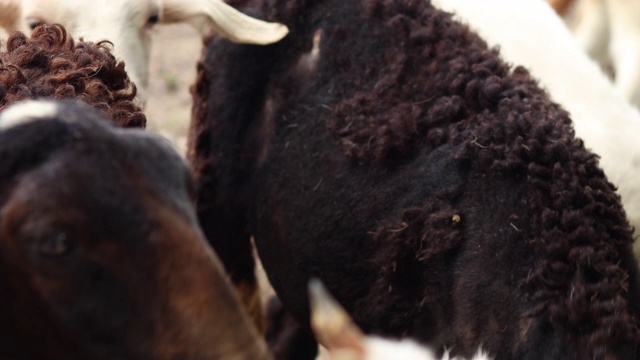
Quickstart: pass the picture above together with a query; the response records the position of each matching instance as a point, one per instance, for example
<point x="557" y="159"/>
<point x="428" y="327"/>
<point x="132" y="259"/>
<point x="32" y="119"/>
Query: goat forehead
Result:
<point x="86" y="209"/>
<point x="132" y="162"/>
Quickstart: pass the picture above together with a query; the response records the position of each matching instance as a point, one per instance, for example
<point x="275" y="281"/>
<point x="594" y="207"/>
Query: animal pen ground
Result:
<point x="175" y="51"/>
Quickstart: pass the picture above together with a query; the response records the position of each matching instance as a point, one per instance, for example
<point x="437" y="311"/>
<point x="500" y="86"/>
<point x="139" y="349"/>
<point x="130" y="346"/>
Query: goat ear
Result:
<point x="207" y="15"/>
<point x="332" y="326"/>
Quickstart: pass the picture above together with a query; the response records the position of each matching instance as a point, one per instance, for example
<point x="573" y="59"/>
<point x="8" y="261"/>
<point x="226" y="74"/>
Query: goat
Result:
<point x="128" y="24"/>
<point x="102" y="257"/>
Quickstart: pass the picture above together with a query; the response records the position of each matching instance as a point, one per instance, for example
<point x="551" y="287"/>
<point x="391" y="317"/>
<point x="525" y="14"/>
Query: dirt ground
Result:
<point x="174" y="53"/>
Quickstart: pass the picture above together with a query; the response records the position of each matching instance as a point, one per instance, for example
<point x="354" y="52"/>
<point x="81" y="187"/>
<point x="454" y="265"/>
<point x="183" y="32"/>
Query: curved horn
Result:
<point x="229" y="22"/>
<point x="332" y="326"/>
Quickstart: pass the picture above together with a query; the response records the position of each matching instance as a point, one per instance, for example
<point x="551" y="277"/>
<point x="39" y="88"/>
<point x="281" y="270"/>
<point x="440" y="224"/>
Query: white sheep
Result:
<point x="529" y="33"/>
<point x="335" y="330"/>
<point x="609" y="31"/>
<point x="128" y="24"/>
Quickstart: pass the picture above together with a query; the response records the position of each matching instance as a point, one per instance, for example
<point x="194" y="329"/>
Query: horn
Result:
<point x="332" y="326"/>
<point x="226" y="20"/>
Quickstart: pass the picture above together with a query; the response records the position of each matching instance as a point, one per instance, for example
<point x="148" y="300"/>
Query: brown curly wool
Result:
<point x="51" y="64"/>
<point x="506" y="125"/>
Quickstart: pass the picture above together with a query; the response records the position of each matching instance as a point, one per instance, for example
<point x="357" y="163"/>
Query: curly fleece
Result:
<point x="396" y="77"/>
<point x="51" y="64"/>
<point x="459" y="91"/>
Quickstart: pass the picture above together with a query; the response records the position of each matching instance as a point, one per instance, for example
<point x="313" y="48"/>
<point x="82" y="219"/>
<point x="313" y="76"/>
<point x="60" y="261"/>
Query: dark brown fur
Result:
<point x="138" y="281"/>
<point x="51" y="64"/>
<point x="437" y="192"/>
<point x="134" y="277"/>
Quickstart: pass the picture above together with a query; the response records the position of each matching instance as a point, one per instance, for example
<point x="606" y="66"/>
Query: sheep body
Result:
<point x="601" y="117"/>
<point x="439" y="194"/>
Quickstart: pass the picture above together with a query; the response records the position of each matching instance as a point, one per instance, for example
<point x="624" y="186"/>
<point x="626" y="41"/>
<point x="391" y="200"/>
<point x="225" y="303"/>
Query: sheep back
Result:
<point x="51" y="64"/>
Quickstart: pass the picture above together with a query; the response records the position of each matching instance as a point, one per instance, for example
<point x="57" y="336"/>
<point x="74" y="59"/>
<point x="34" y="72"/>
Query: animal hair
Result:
<point x="51" y="64"/>
<point x="397" y="87"/>
<point x="506" y="124"/>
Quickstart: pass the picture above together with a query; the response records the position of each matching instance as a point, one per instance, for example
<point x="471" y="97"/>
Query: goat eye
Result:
<point x="34" y="22"/>
<point x="153" y="19"/>
<point x="56" y="245"/>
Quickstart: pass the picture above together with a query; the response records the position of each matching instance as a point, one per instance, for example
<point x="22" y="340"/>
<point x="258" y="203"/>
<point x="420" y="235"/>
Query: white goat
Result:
<point x="335" y="330"/>
<point x="530" y="33"/>
<point x="128" y="23"/>
<point x="609" y="31"/>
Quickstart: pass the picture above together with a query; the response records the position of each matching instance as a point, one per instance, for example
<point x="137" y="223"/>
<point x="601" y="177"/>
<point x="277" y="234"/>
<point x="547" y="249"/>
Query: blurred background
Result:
<point x="174" y="54"/>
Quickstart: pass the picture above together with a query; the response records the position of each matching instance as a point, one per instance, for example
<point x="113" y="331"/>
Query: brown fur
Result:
<point x="51" y="64"/>
<point x="143" y="302"/>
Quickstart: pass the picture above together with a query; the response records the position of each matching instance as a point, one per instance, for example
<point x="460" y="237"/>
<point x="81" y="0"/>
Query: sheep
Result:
<point x="440" y="194"/>
<point x="335" y="329"/>
<point x="52" y="64"/>
<point x="128" y="24"/>
<point x="102" y="257"/>
<point x="609" y="32"/>
<point x="601" y="117"/>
